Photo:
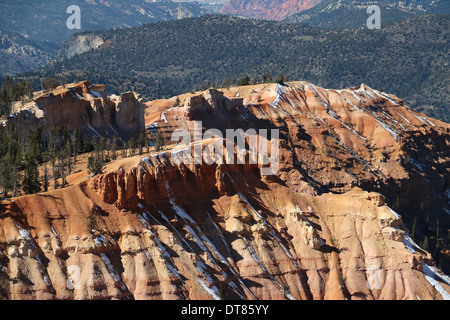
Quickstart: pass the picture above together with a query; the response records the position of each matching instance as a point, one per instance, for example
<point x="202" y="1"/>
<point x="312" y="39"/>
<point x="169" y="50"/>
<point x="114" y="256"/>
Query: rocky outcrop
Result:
<point x="80" y="44"/>
<point x="83" y="106"/>
<point x="269" y="10"/>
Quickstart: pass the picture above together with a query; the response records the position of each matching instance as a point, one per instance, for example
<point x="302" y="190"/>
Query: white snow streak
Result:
<point x="431" y="275"/>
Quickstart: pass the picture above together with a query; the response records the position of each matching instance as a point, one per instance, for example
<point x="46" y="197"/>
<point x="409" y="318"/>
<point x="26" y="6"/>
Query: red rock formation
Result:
<point x="269" y="10"/>
<point x="152" y="228"/>
<point x="84" y="106"/>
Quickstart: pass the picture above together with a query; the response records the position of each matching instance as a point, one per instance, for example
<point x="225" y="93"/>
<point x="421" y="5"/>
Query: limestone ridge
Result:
<point x="79" y="44"/>
<point x="84" y="106"/>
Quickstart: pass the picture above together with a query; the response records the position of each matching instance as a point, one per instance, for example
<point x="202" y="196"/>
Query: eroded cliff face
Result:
<point x="156" y="230"/>
<point x="153" y="228"/>
<point x="270" y="10"/>
<point x="83" y="106"/>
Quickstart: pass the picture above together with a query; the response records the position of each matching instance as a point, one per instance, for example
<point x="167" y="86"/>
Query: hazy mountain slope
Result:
<point x="353" y="13"/>
<point x="18" y="54"/>
<point x="44" y="22"/>
<point x="211" y="5"/>
<point x="172" y="57"/>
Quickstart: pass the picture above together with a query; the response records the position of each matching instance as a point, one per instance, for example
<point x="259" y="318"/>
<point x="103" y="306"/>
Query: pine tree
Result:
<point x="31" y="182"/>
<point x="437" y="246"/>
<point x="49" y="84"/>
<point x="45" y="174"/>
<point x="267" y="78"/>
<point x="95" y="164"/>
<point x="425" y="245"/>
<point x="226" y="84"/>
<point x="68" y="156"/>
<point x="177" y="102"/>
<point x="413" y="229"/>
<point x="78" y="145"/>
<point x="114" y="147"/>
<point x="159" y="140"/>
<point x="396" y="205"/>
<point x="245" y="81"/>
<point x="132" y="145"/>
<point x="14" y="152"/>
<point x="52" y="156"/>
<point x="102" y="147"/>
<point x="32" y="158"/>
<point x="281" y="79"/>
<point x="6" y="174"/>
<point x="142" y="141"/>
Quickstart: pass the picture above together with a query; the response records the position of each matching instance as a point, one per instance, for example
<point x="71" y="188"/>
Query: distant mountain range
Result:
<point x="33" y="32"/>
<point x="408" y="58"/>
<point x="45" y="20"/>
<point x="332" y="13"/>
<point x="212" y="5"/>
<point x="352" y="13"/>
<point x="39" y="27"/>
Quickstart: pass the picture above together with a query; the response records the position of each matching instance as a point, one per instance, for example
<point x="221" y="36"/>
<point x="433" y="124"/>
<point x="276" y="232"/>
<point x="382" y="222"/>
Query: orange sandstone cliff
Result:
<point x="322" y="228"/>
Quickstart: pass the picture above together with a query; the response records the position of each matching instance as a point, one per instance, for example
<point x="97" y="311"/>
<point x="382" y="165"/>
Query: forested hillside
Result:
<point x="32" y="32"/>
<point x="408" y="58"/>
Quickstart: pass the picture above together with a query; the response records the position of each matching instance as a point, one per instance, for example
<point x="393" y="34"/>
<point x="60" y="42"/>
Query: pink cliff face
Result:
<point x="268" y="9"/>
